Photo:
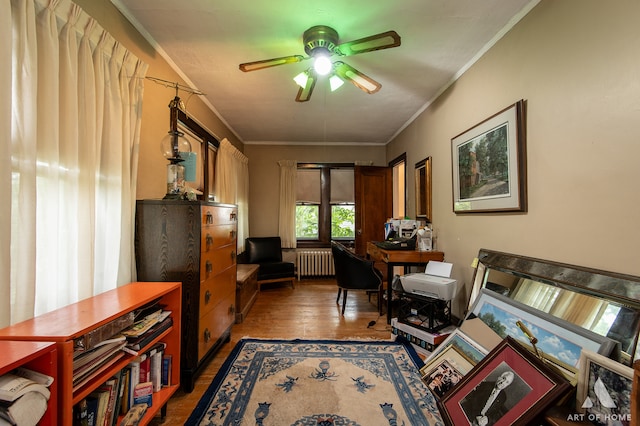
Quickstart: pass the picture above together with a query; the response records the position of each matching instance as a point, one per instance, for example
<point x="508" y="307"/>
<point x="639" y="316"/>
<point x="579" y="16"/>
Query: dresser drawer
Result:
<point x="217" y="260"/>
<point x="216" y="236"/>
<point x="216" y="288"/>
<point x="219" y="215"/>
<point x="214" y="324"/>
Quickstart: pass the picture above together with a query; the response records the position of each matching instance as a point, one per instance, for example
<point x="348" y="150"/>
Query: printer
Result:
<point x="434" y="282"/>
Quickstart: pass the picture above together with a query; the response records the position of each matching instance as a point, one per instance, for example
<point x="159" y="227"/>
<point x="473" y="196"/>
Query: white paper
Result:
<point x="440" y="269"/>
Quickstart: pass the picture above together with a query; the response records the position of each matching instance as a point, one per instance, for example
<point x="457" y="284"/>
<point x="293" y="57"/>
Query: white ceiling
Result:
<point x="206" y="40"/>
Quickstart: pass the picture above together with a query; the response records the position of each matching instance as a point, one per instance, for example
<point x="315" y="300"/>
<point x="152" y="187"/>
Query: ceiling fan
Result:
<point x="320" y="43"/>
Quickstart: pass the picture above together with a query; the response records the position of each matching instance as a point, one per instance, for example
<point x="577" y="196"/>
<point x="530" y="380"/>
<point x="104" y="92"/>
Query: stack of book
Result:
<point x="132" y="387"/>
<point x="423" y="341"/>
<point x="23" y="397"/>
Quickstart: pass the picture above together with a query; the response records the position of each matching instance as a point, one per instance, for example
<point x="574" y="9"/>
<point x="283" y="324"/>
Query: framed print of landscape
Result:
<point x="560" y="341"/>
<point x="489" y="164"/>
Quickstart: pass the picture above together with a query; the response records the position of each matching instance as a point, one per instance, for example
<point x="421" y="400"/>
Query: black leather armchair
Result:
<point x="355" y="273"/>
<point x="267" y="253"/>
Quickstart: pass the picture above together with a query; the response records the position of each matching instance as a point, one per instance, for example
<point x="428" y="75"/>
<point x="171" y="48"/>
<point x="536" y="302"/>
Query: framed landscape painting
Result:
<point x="560" y="341"/>
<point x="489" y="164"/>
<point x="464" y="344"/>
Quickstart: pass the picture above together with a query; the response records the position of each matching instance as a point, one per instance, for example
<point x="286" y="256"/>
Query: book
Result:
<point x="134" y="376"/>
<point x="167" y="361"/>
<point x="102" y="396"/>
<point x="143" y="394"/>
<point x="145" y="368"/>
<point x="124" y="398"/>
<point x="143" y="340"/>
<point x="111" y="386"/>
<point x="13" y="387"/>
<point x="80" y="413"/>
<point x="156" y="369"/>
<point x="27" y="410"/>
<point x="105" y="332"/>
<point x="102" y="367"/>
<point x="142" y="326"/>
<point x="92" y="411"/>
<point x="134" y="415"/>
<point x="118" y="397"/>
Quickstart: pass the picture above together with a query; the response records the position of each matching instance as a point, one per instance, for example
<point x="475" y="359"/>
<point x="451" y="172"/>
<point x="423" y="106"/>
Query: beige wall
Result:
<point x="264" y="175"/>
<point x="155" y="111"/>
<point x="577" y="64"/>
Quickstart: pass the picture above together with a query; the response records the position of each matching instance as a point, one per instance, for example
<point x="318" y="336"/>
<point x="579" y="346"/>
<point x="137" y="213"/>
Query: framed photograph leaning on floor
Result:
<point x="604" y="389"/>
<point x="510" y="386"/>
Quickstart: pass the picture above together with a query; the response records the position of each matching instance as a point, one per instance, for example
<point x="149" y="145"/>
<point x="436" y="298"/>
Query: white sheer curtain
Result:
<point x="74" y="128"/>
<point x="232" y="185"/>
<point x="287" y="213"/>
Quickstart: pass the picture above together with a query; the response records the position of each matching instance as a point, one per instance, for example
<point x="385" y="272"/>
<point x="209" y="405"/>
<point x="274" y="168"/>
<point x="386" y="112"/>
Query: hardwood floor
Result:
<point x="309" y="312"/>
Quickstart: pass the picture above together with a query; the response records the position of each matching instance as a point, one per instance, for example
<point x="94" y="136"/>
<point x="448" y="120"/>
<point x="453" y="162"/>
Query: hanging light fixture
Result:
<point x="173" y="146"/>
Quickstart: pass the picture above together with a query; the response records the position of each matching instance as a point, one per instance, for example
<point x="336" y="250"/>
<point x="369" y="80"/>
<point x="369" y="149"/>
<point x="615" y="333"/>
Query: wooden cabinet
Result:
<point x="37" y="356"/>
<point x="67" y="324"/>
<point x="246" y="290"/>
<point x="195" y="243"/>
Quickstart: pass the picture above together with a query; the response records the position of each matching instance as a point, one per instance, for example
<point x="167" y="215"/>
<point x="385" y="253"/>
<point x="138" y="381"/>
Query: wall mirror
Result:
<point x="604" y="302"/>
<point x="205" y="146"/>
<point x="423" y="190"/>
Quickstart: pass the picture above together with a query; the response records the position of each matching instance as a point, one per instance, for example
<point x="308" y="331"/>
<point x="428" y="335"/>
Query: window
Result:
<point x="325" y="207"/>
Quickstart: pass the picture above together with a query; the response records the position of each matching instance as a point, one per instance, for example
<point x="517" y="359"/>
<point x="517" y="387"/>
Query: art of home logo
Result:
<point x="603" y="400"/>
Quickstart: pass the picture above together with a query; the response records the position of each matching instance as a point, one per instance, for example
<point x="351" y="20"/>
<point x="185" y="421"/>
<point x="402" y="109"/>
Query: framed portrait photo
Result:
<point x="489" y="164"/>
<point x="510" y="386"/>
<point x="445" y="370"/>
<point x="604" y="389"/>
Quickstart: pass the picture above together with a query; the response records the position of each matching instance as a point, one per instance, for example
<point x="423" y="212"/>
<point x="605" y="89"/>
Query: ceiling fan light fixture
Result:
<point x="301" y="79"/>
<point x="322" y="64"/>
<point x="335" y="82"/>
<point x="360" y="80"/>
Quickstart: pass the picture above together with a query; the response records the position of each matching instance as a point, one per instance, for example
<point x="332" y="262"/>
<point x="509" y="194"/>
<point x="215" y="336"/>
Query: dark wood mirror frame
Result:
<point x="618" y="290"/>
<point x="208" y="155"/>
<point x="423" y="190"/>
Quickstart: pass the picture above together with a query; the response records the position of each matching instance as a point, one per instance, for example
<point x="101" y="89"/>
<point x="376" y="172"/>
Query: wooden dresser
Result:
<point x="195" y="243"/>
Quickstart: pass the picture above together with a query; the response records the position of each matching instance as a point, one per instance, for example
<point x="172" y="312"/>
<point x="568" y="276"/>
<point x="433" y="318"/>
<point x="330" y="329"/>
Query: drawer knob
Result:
<point x="209" y="267"/>
<point x="207" y="335"/>
<point x="233" y="255"/>
<point x="233" y="216"/>
<point x="232" y="310"/>
<point x="209" y="240"/>
<point x="232" y="234"/>
<point x="209" y="218"/>
<point x="207" y="297"/>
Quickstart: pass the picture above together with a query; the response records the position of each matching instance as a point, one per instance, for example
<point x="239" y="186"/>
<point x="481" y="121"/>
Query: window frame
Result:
<point x="324" y="211"/>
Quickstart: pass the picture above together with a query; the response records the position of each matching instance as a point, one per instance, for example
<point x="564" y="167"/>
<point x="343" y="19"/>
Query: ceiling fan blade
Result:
<point x="384" y="40"/>
<point x="359" y="79"/>
<point x="258" y="65"/>
<point x="304" y="93"/>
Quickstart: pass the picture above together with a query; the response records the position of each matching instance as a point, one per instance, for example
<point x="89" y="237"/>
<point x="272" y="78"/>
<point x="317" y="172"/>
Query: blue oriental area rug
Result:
<point x="318" y="382"/>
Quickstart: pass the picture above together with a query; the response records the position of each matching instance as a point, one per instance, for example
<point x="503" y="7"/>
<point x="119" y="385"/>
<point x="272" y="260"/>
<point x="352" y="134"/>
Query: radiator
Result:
<point x="315" y="263"/>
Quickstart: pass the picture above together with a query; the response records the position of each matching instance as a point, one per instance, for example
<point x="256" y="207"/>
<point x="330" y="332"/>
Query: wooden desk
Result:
<point x="399" y="258"/>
